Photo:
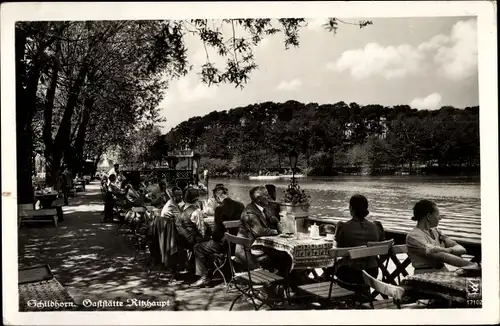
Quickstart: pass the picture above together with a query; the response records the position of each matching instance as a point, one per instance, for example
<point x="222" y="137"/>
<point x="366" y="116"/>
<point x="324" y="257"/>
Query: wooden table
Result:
<point x="46" y="199"/>
<point x="446" y="285"/>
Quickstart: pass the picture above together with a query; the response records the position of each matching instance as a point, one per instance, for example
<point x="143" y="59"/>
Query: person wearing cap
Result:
<point x="227" y="210"/>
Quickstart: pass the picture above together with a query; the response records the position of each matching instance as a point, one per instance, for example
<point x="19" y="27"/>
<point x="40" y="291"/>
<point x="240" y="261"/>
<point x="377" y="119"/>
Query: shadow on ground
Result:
<point x="92" y="262"/>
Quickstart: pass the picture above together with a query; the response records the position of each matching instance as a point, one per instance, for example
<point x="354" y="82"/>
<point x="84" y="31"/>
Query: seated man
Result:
<point x="158" y="194"/>
<point x="173" y="207"/>
<point x="257" y="222"/>
<point x="163" y="246"/>
<point x="190" y="224"/>
<point x="228" y="210"/>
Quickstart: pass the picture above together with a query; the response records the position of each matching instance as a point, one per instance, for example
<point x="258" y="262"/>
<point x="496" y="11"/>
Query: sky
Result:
<point x="423" y="62"/>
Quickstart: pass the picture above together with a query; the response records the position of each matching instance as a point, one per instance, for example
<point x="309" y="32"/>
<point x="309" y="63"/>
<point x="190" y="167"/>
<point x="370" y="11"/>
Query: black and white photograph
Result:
<point x="316" y="162"/>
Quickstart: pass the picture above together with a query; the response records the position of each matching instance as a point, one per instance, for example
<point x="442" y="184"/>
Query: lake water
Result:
<point x="391" y="199"/>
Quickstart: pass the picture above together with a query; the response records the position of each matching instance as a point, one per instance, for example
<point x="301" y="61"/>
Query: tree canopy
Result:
<point x="331" y="137"/>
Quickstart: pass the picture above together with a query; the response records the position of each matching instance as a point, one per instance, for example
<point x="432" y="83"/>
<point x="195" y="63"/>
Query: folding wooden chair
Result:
<point x="329" y="292"/>
<point x="383" y="260"/>
<point x="395" y="295"/>
<point x="221" y="260"/>
<point x="373" y="249"/>
<point x="249" y="282"/>
<point x="400" y="266"/>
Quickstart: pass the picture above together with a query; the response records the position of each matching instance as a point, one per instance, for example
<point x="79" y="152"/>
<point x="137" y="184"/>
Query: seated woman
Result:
<point x="134" y="198"/>
<point x="358" y="231"/>
<point x="428" y="248"/>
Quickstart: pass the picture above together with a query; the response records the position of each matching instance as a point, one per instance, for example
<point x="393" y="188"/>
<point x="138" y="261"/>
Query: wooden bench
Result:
<point x="26" y="213"/>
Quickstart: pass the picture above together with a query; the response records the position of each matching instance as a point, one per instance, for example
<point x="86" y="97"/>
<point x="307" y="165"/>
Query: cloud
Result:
<point x="289" y="85"/>
<point x="189" y="93"/>
<point x="389" y="62"/>
<point x="458" y="60"/>
<point x="430" y="102"/>
<point x="454" y="56"/>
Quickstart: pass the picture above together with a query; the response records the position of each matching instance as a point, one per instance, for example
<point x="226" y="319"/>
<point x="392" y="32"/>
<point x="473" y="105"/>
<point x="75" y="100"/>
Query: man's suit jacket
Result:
<point x="229" y="210"/>
<point x="254" y="224"/>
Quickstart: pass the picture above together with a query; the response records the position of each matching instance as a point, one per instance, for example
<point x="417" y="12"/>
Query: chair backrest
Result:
<point x="390" y="290"/>
<point x="400" y="249"/>
<point x="245" y="242"/>
<point x="372" y="249"/>
<point x="388" y="243"/>
<point x="342" y="252"/>
<point x="232" y="224"/>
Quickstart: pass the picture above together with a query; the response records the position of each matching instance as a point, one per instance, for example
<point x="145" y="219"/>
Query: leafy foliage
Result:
<point x="295" y="196"/>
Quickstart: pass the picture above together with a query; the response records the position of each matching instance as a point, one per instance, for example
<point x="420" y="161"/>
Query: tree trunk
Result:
<point x="47" y="115"/>
<point x="24" y="136"/>
<point x="61" y="145"/>
<point x="82" y="131"/>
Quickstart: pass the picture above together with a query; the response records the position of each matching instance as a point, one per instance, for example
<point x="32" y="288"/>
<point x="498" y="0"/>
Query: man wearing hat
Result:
<point x="227" y="210"/>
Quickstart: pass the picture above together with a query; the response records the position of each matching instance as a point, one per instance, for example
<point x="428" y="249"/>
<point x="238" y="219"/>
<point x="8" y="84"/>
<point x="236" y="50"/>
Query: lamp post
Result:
<point x="293" y="162"/>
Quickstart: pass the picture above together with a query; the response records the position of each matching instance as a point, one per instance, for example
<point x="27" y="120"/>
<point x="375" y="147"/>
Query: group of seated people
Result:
<point x="428" y="248"/>
<point x="260" y="217"/>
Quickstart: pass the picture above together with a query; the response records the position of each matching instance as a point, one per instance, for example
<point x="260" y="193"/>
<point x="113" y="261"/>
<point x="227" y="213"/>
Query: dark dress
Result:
<point x="355" y="233"/>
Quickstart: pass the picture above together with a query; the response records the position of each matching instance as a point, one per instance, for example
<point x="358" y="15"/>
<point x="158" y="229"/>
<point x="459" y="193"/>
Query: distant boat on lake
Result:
<point x="264" y="177"/>
<point x="275" y="177"/>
